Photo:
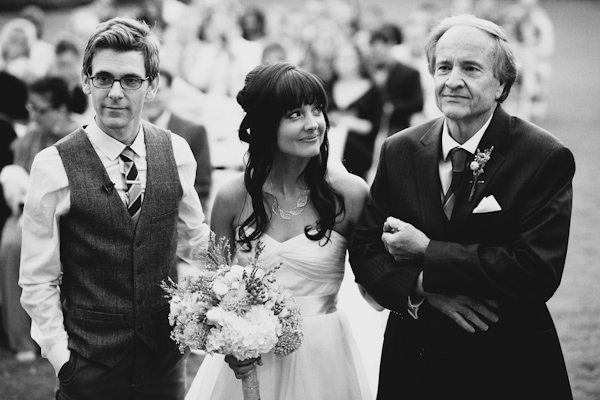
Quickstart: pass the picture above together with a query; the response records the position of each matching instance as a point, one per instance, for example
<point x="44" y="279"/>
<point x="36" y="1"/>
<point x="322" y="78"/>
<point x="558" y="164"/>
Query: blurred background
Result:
<point x="359" y="48"/>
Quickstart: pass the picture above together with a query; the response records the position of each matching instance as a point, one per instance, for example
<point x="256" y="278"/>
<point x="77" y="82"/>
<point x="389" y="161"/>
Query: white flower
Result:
<point x="235" y="272"/>
<point x="474" y="166"/>
<point x="175" y="305"/>
<point x="220" y="288"/>
<point x="259" y="273"/>
<point x="215" y="315"/>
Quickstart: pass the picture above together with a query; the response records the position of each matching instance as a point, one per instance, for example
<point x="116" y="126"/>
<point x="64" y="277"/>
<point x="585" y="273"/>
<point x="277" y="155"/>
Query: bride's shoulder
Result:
<point x="351" y="186"/>
<point x="232" y="191"/>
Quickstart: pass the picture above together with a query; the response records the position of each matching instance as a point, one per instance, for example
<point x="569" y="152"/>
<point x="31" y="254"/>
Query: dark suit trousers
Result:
<point x="141" y="374"/>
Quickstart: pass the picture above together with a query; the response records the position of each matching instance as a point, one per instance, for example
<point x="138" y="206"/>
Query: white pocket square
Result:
<point x="486" y="205"/>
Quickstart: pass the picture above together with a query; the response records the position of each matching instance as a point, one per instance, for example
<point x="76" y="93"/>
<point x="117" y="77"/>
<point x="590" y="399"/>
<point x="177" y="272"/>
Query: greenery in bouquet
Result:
<point x="233" y="309"/>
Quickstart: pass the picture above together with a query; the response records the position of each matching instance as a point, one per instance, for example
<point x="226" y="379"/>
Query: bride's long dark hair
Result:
<point x="270" y="91"/>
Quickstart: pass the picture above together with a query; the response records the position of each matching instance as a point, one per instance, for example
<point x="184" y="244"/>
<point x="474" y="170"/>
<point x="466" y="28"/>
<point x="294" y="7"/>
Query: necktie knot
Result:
<point x="458" y="157"/>
<point x="127" y="154"/>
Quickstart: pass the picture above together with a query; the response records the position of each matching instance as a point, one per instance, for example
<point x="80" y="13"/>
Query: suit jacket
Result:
<point x="403" y="90"/>
<point x="195" y="135"/>
<point x="514" y="256"/>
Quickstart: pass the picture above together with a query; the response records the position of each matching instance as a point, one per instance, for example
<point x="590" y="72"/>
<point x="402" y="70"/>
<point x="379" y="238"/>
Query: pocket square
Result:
<point x="486" y="205"/>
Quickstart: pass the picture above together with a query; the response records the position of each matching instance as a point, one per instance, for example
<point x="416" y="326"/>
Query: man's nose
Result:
<point x="116" y="90"/>
<point x="454" y="79"/>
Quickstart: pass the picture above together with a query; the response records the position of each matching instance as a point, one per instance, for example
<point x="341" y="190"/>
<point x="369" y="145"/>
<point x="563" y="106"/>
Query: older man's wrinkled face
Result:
<point x="465" y="86"/>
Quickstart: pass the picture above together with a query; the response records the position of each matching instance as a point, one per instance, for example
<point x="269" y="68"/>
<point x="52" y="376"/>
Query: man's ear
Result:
<point x="85" y="84"/>
<point x="152" y="88"/>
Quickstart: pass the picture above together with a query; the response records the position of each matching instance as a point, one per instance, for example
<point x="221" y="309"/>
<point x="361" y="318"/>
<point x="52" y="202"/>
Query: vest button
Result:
<point x="140" y="300"/>
<point x="138" y="243"/>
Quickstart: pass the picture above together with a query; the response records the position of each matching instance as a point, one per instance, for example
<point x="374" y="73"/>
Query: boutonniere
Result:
<point x="481" y="158"/>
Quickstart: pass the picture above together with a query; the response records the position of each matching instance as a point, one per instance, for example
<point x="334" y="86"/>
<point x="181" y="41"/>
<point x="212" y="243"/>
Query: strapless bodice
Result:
<point x="312" y="269"/>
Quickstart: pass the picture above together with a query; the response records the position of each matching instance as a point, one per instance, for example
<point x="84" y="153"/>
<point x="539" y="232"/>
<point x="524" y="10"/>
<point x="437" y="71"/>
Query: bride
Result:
<point x="304" y="213"/>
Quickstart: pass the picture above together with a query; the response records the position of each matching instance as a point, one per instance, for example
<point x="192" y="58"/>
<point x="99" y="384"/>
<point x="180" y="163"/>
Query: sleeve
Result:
<point x="374" y="268"/>
<point x="529" y="266"/>
<point x="40" y="273"/>
<point x="204" y="168"/>
<point x="372" y="110"/>
<point x="192" y="231"/>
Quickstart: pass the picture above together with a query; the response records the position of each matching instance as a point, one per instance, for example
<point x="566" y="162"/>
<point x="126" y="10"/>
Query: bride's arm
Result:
<point x="355" y="191"/>
<point x="226" y="209"/>
<point x="224" y="219"/>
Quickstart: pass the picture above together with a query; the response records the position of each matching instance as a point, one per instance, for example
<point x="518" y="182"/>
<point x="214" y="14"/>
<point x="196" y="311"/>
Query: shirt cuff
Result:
<point x="413" y="309"/>
<point x="59" y="355"/>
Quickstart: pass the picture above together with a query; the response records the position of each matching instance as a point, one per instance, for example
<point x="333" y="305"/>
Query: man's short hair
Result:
<point x="505" y="67"/>
<point x="124" y="34"/>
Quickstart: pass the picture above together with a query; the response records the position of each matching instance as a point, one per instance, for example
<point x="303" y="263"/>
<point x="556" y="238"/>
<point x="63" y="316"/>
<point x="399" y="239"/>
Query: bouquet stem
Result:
<point x="250" y="386"/>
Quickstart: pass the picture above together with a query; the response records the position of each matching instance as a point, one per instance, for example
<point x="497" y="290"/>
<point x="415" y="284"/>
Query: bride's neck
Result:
<point x="287" y="178"/>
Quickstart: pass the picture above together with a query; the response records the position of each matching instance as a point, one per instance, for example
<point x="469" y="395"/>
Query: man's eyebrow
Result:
<point x="132" y="75"/>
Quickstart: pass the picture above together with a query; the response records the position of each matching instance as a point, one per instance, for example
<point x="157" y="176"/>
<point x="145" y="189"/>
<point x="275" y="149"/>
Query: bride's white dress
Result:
<point x="328" y="365"/>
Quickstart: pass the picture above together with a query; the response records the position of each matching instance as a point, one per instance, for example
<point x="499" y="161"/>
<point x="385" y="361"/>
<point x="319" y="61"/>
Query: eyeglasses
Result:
<point x="107" y="82"/>
<point x="32" y="108"/>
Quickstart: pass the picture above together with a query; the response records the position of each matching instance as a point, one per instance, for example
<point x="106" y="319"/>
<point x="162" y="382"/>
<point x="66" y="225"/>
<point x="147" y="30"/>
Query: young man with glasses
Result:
<point x="108" y="209"/>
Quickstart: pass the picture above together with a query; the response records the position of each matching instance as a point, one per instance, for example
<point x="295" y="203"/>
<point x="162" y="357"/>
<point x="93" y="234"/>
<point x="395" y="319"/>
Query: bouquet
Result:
<point x="234" y="310"/>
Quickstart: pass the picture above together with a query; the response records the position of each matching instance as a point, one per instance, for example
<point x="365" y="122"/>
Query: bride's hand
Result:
<point x="242" y="368"/>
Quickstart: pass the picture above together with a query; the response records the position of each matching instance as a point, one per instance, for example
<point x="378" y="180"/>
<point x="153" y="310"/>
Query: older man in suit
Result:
<point x="466" y="245"/>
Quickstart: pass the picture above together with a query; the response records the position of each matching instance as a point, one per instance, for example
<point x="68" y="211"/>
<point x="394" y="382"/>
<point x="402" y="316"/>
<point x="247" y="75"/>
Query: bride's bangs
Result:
<point x="298" y="88"/>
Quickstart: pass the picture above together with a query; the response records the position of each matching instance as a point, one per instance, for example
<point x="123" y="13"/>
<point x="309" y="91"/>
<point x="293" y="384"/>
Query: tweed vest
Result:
<point x="112" y="269"/>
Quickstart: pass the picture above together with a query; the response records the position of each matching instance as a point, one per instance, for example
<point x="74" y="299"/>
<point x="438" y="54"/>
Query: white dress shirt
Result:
<point x="448" y="143"/>
<point x="445" y="168"/>
<point x="48" y="199"/>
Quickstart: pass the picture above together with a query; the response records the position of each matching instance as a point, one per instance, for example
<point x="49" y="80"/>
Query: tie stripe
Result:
<point x="458" y="157"/>
<point x="134" y="187"/>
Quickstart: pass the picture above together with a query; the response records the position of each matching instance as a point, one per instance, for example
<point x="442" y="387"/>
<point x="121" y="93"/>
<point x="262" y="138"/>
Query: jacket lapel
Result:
<point x="428" y="180"/>
<point x="497" y="135"/>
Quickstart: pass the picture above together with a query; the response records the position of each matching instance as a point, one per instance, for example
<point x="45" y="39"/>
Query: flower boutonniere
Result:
<point x="481" y="158"/>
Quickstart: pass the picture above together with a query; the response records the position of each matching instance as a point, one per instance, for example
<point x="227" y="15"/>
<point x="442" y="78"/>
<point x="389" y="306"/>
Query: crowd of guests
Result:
<point x="372" y="64"/>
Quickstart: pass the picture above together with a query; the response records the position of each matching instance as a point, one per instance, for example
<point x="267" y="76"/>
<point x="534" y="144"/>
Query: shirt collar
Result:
<point x="448" y="143"/>
<point x="110" y="146"/>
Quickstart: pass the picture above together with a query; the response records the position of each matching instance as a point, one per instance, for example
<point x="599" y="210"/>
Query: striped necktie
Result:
<point x="134" y="186"/>
<point x="458" y="156"/>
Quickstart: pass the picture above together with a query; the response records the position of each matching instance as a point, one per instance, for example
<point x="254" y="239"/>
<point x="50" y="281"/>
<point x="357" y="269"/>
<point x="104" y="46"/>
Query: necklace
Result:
<point x="300" y="204"/>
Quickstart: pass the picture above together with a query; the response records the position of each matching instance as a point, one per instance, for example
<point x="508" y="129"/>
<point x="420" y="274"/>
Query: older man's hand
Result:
<point x="403" y="241"/>
<point x="468" y="312"/>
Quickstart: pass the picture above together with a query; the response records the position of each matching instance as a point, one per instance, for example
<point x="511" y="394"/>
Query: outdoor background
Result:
<point x="574" y="117"/>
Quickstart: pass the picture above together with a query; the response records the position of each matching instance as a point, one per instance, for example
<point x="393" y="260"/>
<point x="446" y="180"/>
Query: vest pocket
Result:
<point x="158" y="218"/>
<point x="99" y="316"/>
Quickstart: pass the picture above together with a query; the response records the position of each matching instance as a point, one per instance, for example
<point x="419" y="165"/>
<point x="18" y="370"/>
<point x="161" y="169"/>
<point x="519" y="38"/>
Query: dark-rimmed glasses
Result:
<point x="107" y="82"/>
